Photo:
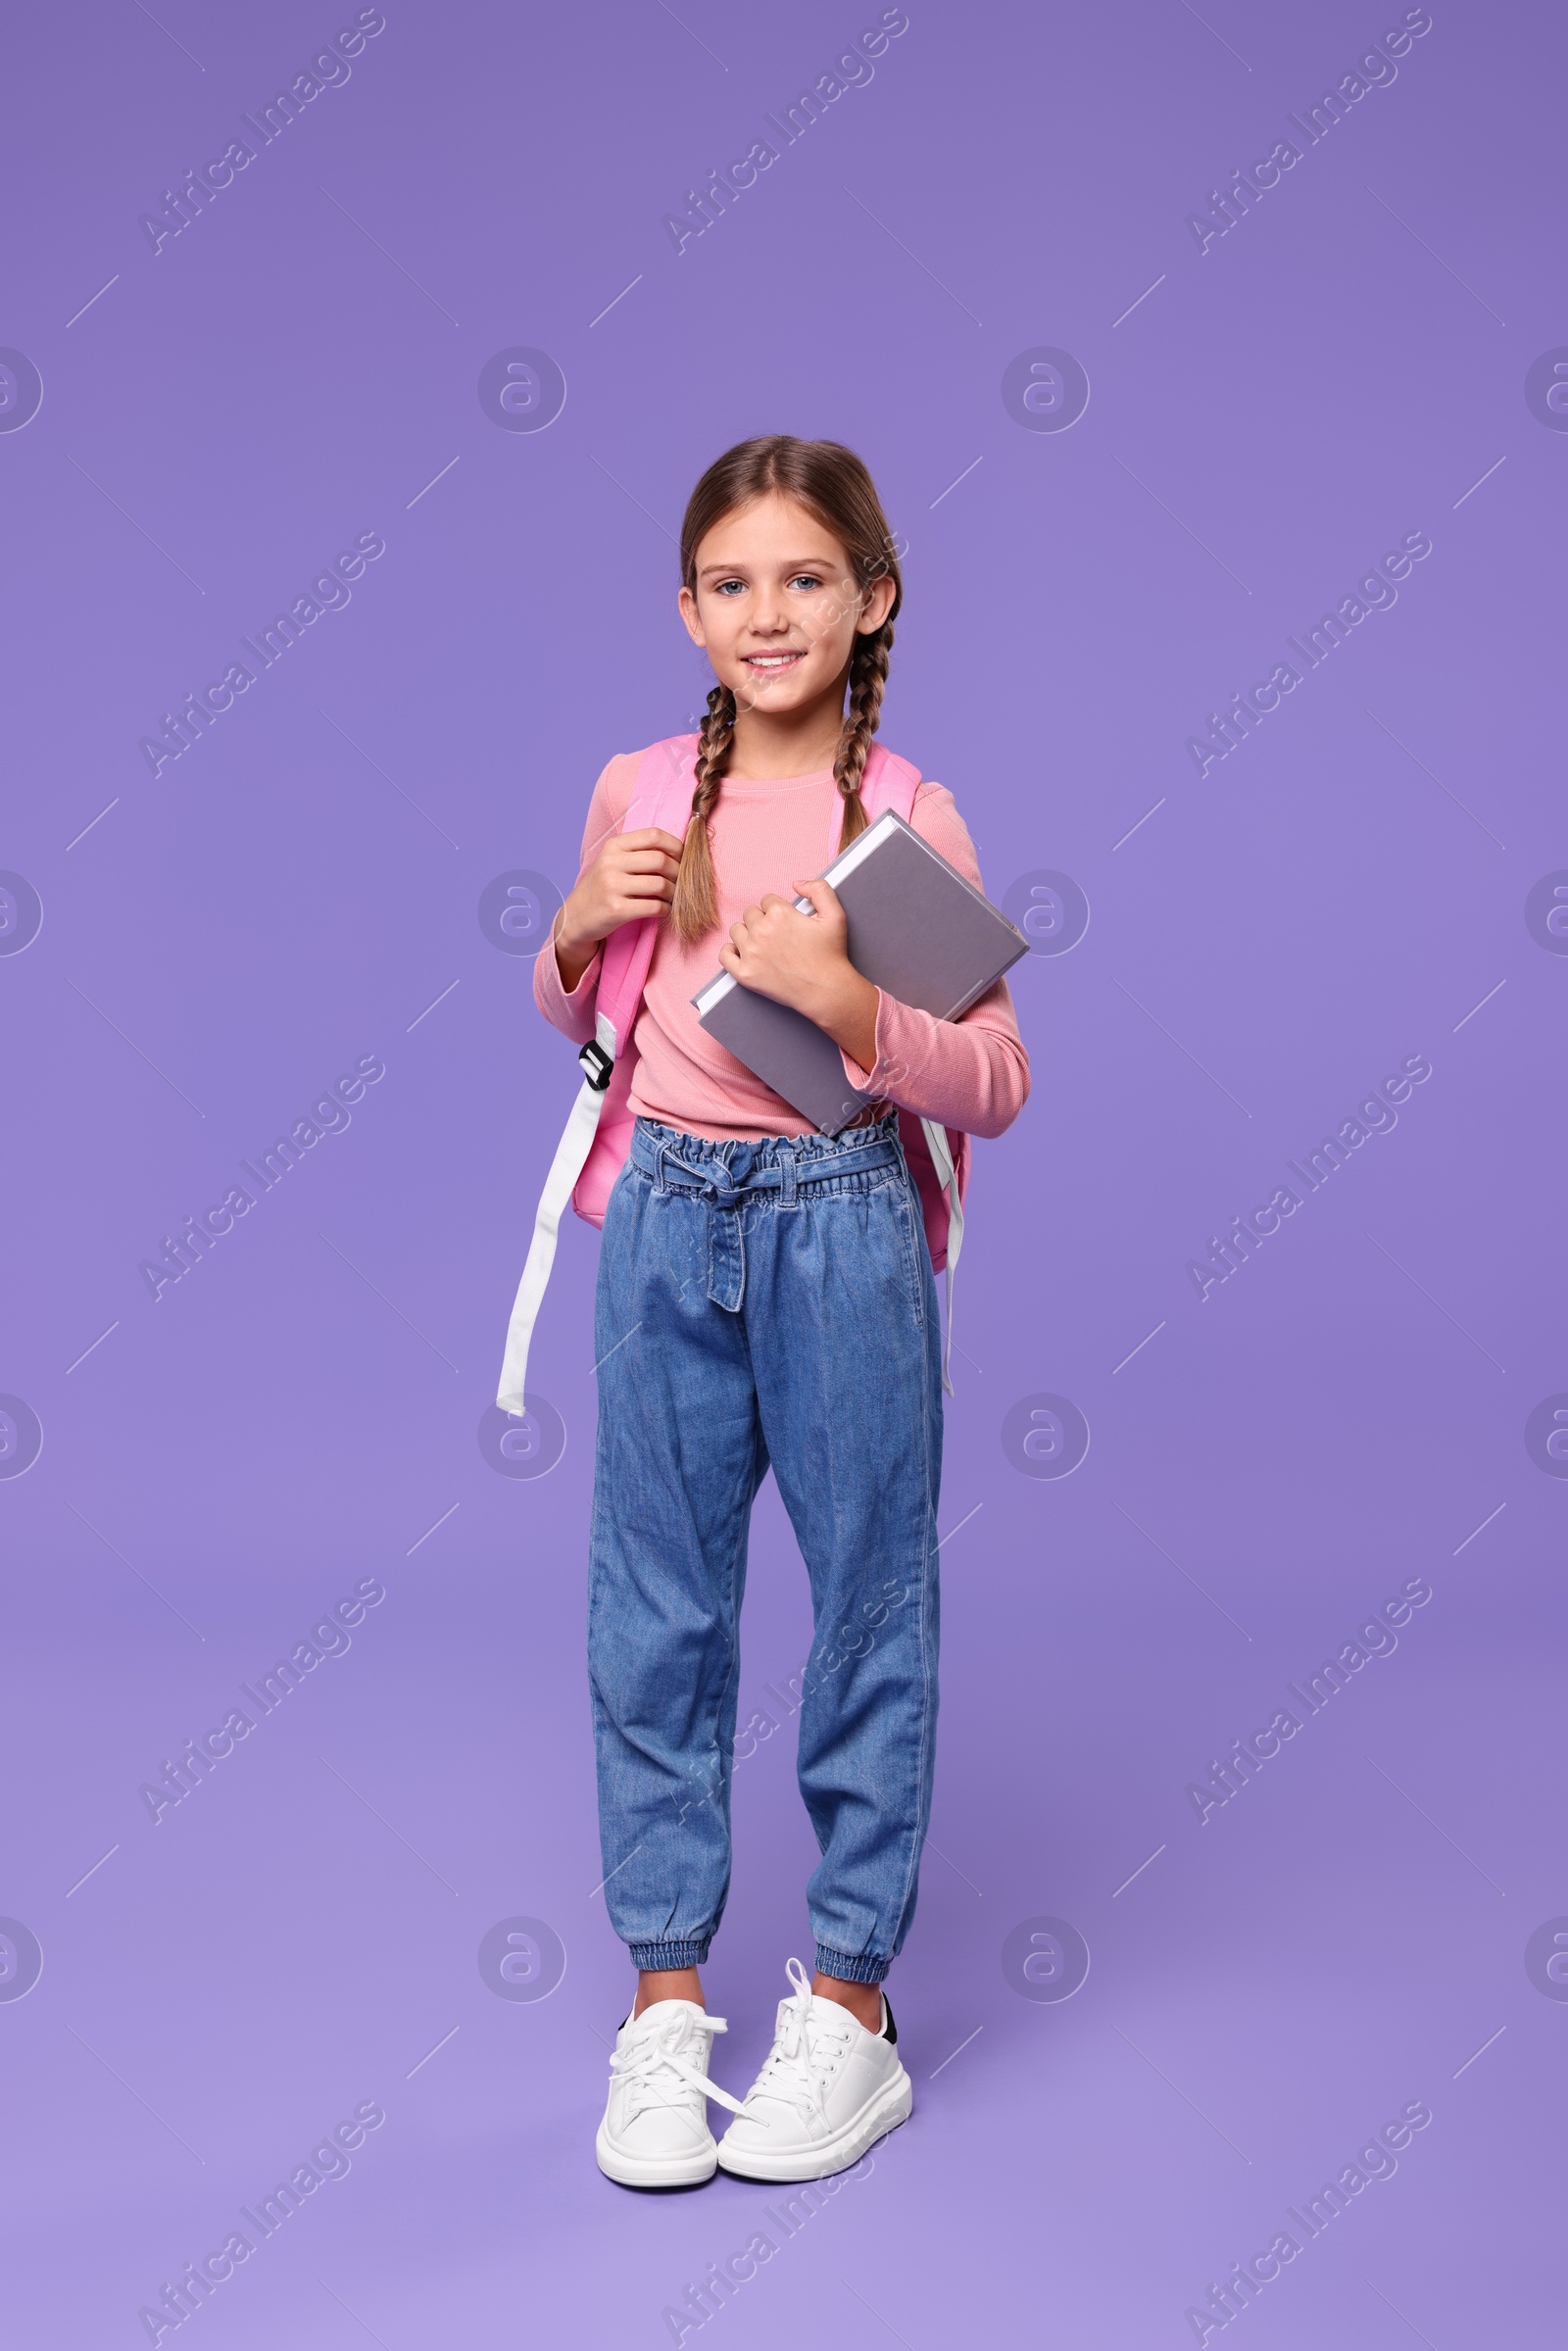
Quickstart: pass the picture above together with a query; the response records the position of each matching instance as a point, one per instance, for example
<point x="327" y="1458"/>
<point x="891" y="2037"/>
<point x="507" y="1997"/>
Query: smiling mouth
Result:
<point x="771" y="664"/>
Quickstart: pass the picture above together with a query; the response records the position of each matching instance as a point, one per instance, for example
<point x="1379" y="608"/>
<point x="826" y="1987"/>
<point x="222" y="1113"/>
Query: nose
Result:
<point x="768" y="617"/>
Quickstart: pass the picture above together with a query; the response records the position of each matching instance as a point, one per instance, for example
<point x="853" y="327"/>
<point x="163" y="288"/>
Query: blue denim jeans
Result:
<point x="765" y="1302"/>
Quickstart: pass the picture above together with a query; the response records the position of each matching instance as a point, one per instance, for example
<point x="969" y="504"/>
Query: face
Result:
<point x="776" y="608"/>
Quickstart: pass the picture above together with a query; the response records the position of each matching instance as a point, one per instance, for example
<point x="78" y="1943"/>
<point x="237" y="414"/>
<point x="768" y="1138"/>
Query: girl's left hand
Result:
<point x="803" y="960"/>
<point x="792" y="957"/>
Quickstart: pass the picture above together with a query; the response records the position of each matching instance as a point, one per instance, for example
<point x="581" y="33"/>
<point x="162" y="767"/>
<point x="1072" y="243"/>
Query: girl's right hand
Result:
<point x="632" y="876"/>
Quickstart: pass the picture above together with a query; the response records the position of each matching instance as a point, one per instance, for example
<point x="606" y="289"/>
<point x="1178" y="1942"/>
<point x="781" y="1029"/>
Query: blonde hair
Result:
<point x="833" y="484"/>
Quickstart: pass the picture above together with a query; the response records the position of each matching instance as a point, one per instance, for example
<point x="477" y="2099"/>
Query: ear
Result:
<point x="876" y="608"/>
<point x="687" y="602"/>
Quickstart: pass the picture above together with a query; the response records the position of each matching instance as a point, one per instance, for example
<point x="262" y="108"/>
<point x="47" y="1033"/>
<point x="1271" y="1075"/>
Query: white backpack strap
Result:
<point x="571" y="1154"/>
<point x="936" y="1142"/>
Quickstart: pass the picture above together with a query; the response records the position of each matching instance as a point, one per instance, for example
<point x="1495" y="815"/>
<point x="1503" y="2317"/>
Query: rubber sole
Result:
<point x="826" y="2156"/>
<point x="644" y="2171"/>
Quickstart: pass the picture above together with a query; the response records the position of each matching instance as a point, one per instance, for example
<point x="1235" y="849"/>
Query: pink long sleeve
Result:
<point x="972" y="1075"/>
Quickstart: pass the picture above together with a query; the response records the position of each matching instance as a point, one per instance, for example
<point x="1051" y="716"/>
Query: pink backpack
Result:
<point x="598" y="1137"/>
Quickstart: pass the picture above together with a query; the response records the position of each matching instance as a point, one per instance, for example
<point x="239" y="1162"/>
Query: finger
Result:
<point x="822" y="894"/>
<point x="773" y="900"/>
<point x="648" y="861"/>
<point x="635" y="909"/>
<point x="644" y="902"/>
<point x="652" y="837"/>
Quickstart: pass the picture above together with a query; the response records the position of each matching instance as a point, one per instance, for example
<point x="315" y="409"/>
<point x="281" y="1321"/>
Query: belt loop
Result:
<point x="786" y="1162"/>
<point x="660" y="1185"/>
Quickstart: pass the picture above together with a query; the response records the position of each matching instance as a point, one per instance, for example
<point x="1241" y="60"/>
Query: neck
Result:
<point x="770" y="745"/>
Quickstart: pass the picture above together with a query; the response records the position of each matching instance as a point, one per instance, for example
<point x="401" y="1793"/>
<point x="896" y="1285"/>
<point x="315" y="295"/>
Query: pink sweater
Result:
<point x="970" y="1074"/>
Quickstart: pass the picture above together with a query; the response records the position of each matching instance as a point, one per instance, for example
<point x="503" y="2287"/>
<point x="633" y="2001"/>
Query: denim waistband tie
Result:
<point x="727" y="1176"/>
<point x="722" y="1185"/>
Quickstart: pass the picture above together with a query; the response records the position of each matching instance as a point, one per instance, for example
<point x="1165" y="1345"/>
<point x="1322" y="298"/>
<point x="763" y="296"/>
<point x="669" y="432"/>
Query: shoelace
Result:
<point x="804" y="2048"/>
<point x="658" y="2049"/>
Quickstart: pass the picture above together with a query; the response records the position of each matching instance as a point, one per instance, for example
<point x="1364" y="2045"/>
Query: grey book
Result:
<point x="917" y="929"/>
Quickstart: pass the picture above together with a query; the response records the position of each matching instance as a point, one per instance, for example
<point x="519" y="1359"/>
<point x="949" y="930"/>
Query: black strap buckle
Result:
<point x="596" y="1065"/>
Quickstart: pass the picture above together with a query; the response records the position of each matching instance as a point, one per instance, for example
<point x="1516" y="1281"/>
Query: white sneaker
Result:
<point x="654" y="2133"/>
<point x="828" y="2091"/>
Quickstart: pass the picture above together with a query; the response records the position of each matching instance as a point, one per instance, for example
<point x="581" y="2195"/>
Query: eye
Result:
<point x="810" y="580"/>
<point x="723" y="586"/>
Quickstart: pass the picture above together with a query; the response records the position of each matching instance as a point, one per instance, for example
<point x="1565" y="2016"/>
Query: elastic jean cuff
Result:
<point x="867" y="1969"/>
<point x="662" y="1957"/>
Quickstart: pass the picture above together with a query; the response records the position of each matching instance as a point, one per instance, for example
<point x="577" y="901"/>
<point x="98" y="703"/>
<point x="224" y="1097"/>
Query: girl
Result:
<point x="765" y="1296"/>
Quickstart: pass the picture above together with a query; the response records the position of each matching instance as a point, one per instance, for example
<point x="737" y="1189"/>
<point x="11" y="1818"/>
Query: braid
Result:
<point x="694" y="909"/>
<point x="868" y="675"/>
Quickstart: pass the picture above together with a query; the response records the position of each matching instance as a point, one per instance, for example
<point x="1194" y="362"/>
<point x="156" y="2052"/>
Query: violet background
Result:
<point x="303" y="1409"/>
